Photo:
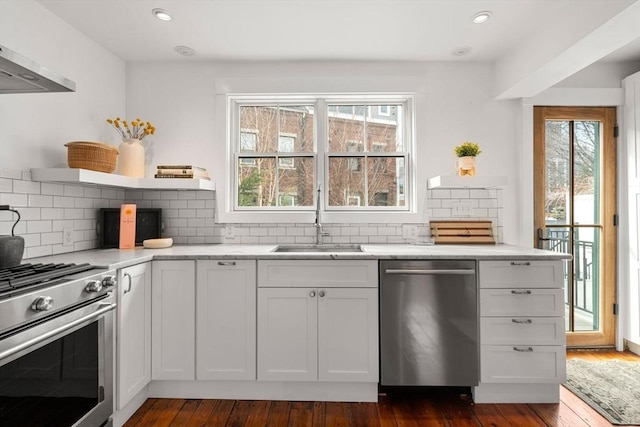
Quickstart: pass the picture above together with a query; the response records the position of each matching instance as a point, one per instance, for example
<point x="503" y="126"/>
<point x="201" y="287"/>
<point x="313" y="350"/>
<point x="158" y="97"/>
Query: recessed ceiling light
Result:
<point x="461" y="51"/>
<point x="184" y="51"/>
<point x="161" y="14"/>
<point x="481" y="17"/>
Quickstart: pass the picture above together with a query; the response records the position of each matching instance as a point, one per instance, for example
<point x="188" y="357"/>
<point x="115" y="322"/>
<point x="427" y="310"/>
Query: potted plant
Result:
<point x="466" y="153"/>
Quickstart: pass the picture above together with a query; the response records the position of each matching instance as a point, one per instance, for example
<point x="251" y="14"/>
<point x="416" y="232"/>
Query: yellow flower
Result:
<point x="135" y="129"/>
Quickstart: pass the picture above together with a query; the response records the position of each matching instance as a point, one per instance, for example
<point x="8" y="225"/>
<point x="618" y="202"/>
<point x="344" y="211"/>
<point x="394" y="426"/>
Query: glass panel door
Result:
<point x="574" y="202"/>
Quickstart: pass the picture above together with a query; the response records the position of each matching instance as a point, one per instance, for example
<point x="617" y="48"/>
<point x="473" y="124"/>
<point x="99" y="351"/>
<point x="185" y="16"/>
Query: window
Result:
<point x="285" y="145"/>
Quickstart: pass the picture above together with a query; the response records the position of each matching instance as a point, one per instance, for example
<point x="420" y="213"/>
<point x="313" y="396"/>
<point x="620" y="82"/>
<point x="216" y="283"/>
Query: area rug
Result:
<point x="611" y="387"/>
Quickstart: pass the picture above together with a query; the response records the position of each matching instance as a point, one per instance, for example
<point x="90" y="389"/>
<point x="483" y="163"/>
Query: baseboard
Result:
<point x="122" y="415"/>
<point x="633" y="347"/>
<point x="265" y="390"/>
<point x="516" y="393"/>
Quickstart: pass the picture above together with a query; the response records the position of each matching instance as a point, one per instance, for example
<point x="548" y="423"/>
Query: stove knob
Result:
<point x="93" y="286"/>
<point x="109" y="281"/>
<point x="42" y="304"/>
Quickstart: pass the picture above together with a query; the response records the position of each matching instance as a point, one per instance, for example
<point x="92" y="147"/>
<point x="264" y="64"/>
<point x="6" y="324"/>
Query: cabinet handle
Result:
<point x="522" y="321"/>
<point x="129" y="287"/>
<point x="312" y="294"/>
<point x="321" y="293"/>
<point x="527" y="292"/>
<point x="523" y="349"/>
<point x="515" y="263"/>
<point x="226" y="263"/>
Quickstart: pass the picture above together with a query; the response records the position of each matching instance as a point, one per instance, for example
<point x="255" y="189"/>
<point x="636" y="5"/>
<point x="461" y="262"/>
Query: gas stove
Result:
<point x="30" y="276"/>
<point x="51" y="317"/>
<point x="30" y="293"/>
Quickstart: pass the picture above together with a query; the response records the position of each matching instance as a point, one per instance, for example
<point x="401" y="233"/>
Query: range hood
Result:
<point x="21" y="75"/>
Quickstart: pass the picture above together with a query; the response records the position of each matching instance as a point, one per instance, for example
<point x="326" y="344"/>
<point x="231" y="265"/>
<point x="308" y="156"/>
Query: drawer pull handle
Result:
<point x="515" y="263"/>
<point x="527" y="292"/>
<point x="226" y="263"/>
<point x="312" y="294"/>
<point x="523" y="349"/>
<point x="521" y="321"/>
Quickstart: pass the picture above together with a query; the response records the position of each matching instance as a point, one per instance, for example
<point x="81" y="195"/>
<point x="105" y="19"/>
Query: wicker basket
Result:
<point x="95" y="156"/>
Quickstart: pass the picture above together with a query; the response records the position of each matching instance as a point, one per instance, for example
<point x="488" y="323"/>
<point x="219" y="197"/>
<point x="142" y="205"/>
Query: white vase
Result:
<point x="131" y="158"/>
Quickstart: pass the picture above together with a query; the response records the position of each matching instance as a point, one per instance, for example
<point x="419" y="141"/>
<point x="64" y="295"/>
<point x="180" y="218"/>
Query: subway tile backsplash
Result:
<point x="48" y="209"/>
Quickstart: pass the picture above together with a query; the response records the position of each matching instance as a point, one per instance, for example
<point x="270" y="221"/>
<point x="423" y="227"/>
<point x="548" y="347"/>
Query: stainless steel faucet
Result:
<point x="318" y="224"/>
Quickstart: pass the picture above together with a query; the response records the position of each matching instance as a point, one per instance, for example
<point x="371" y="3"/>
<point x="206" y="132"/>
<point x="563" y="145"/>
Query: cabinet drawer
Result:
<point x="521" y="302"/>
<point x="522" y="364"/>
<point x="521" y="274"/>
<point x="522" y="330"/>
<point x="318" y="273"/>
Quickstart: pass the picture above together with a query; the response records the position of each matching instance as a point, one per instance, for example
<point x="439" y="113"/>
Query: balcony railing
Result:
<point x="586" y="291"/>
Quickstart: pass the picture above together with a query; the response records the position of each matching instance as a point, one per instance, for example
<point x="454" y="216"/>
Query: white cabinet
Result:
<point x="312" y="325"/>
<point x="173" y="317"/>
<point x="348" y="334"/>
<point x="133" y="342"/>
<point x="522" y="336"/>
<point x="287" y="334"/>
<point x="226" y="320"/>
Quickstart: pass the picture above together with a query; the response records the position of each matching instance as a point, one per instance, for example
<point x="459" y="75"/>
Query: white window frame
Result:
<point x="229" y="211"/>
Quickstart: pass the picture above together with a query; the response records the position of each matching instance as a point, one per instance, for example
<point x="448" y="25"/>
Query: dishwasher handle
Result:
<point x="425" y="272"/>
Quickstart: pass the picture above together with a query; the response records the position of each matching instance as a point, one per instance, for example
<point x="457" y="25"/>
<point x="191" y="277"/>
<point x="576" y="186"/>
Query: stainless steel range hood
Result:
<point x="21" y="75"/>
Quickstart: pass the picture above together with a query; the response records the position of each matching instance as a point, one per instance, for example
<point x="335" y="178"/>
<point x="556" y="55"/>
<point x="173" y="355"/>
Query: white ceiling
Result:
<point x="294" y="30"/>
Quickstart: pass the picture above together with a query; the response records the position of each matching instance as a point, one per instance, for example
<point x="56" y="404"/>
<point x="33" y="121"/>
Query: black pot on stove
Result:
<point x="11" y="247"/>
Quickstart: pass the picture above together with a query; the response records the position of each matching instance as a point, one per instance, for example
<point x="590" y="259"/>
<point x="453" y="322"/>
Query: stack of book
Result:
<point x="182" y="171"/>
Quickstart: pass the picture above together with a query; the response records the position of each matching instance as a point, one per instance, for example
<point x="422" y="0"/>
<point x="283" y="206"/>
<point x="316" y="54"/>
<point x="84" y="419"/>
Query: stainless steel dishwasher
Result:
<point x="428" y="323"/>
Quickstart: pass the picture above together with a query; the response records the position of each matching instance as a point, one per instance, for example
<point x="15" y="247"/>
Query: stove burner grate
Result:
<point x="23" y="275"/>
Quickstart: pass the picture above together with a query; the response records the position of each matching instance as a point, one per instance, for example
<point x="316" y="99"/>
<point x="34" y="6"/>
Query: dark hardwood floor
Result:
<point x="430" y="407"/>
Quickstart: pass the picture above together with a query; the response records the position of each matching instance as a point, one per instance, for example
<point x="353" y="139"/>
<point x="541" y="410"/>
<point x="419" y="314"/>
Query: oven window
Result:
<point x="55" y="385"/>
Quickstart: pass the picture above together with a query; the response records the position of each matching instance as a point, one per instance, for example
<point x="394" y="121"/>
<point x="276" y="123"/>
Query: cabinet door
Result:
<point x="173" y="316"/>
<point x="226" y="320"/>
<point x="348" y="334"/>
<point x="287" y="334"/>
<point x="133" y="331"/>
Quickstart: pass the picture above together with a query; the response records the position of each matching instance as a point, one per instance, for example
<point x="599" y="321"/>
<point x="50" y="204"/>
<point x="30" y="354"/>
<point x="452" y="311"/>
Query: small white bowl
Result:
<point x="157" y="243"/>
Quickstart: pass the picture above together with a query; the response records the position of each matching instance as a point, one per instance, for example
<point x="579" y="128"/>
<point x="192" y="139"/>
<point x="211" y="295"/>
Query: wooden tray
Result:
<point x="462" y="232"/>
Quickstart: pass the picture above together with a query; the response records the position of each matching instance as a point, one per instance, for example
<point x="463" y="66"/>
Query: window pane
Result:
<point x="586" y="172"/>
<point x="558" y="173"/>
<point x="295" y="184"/>
<point x="384" y="130"/>
<point x="346" y="181"/>
<point x="263" y="120"/>
<point x="256" y="182"/>
<point x="296" y="122"/>
<point x="345" y="129"/>
<point x="586" y="270"/>
<point x="384" y="175"/>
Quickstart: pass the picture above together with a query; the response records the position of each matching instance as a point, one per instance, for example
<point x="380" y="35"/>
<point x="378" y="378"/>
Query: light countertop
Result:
<point x="116" y="258"/>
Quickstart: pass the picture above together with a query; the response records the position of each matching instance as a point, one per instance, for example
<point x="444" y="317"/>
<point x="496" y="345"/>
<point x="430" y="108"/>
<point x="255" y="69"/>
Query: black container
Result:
<point x="148" y="226"/>
<point x="11" y="250"/>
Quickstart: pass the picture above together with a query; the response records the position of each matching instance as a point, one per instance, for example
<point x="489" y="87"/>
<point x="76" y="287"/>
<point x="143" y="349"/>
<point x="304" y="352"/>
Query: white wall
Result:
<point x="35" y="127"/>
<point x="453" y="104"/>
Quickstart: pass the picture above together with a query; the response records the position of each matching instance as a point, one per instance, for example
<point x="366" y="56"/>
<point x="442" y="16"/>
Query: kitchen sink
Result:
<point x="318" y="248"/>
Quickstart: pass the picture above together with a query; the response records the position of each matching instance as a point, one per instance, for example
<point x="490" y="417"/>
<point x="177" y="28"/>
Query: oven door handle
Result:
<point x="105" y="307"/>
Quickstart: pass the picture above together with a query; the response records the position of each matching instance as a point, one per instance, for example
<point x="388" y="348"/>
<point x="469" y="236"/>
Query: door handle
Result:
<point x="541" y="238"/>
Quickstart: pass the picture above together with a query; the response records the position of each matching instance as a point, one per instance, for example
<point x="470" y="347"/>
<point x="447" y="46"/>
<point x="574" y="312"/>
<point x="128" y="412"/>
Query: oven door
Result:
<point x="60" y="372"/>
